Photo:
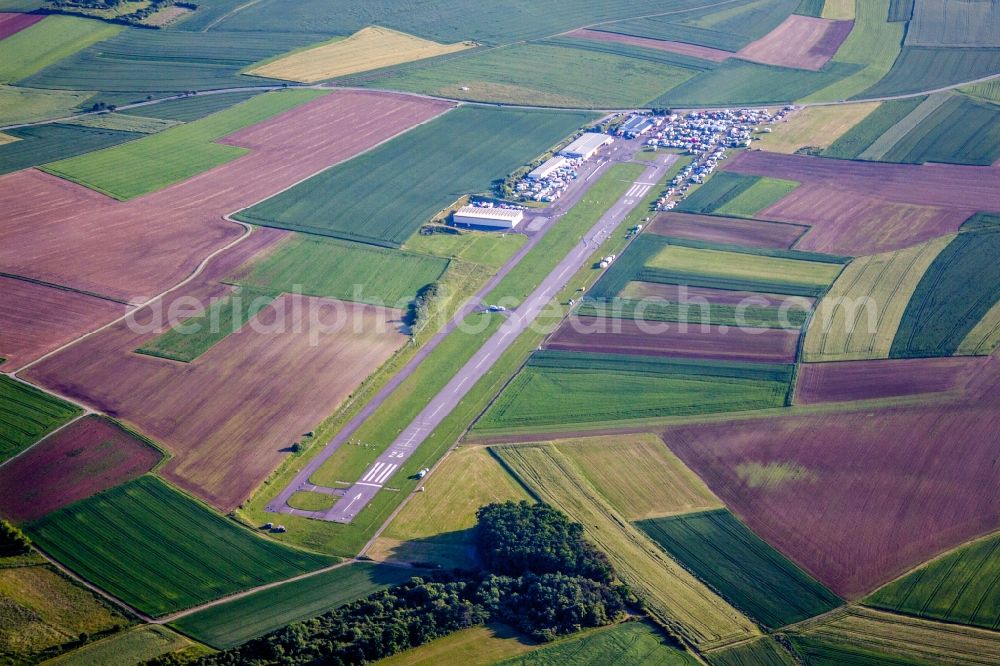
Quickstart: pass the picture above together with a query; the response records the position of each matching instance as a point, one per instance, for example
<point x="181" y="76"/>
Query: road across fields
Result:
<point x="388" y="463"/>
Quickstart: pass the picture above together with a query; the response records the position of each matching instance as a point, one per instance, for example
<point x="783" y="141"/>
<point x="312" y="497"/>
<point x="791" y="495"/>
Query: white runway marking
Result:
<point x="385" y="474"/>
<point x="373" y="471"/>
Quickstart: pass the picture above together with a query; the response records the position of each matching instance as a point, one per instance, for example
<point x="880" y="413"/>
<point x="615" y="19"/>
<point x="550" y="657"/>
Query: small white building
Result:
<point x="547" y="168"/>
<point x="585" y="147"/>
<point x="494" y="218"/>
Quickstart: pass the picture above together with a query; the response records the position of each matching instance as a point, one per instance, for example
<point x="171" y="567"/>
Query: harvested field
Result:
<point x="213" y="412"/>
<point x="703" y="52"/>
<point x="763" y="651"/>
<point x="857" y="498"/>
<point x="860" y="208"/>
<point x="569" y="389"/>
<point x="815" y="127"/>
<point x="28" y="414"/>
<point x="638" y="475"/>
<point x="370" y="48"/>
<point x="862" y="636"/>
<point x="872" y="380"/>
<point x="860" y="315"/>
<point x="961" y="587"/>
<point x="754" y="577"/>
<point x="480" y="645"/>
<point x="803" y="42"/>
<point x="39" y="318"/>
<point x="630" y="336"/>
<point x="161" y="551"/>
<point x="66" y="234"/>
<point x="11" y="23"/>
<point x="91" y="455"/>
<point x="672" y="595"/>
<point x="729" y="230"/>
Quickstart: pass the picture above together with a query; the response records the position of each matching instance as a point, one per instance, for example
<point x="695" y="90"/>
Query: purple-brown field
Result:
<point x="11" y="23"/>
<point x="858" y="497"/>
<point x="731" y="230"/>
<point x="90" y="455"/>
<point x="628" y="336"/>
<point x="868" y="380"/>
<point x="860" y="208"/>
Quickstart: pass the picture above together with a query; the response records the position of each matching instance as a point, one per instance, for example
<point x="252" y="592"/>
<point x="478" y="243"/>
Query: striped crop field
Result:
<point x="160" y="551"/>
<point x="370" y="48"/>
<point x="743" y="568"/>
<point x="867" y="637"/>
<point x="962" y="587"/>
<point x="673" y="597"/>
<point x="760" y="652"/>
<point x="28" y="414"/>
<point x="859" y="316"/>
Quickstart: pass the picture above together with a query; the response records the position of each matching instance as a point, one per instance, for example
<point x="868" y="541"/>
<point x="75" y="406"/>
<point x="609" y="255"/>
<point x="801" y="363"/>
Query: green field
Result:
<point x="159" y="160"/>
<point x="238" y="621"/>
<point x="371" y="199"/>
<point x="545" y="74"/>
<point x="920" y="68"/>
<point x="333" y="268"/>
<point x="719" y="315"/>
<point x="633" y="643"/>
<point x="743" y="568"/>
<point x="550" y="250"/>
<point x="480" y="645"/>
<point x="812" y="8"/>
<point x="26" y="105"/>
<point x="575" y="389"/>
<point x="857" y="139"/>
<point x="881" y="146"/>
<point x="166" y="61"/>
<point x="961" y="131"/>
<point x="738" y="266"/>
<point x="44" y="143"/>
<point x="736" y="195"/>
<point x="160" y="551"/>
<point x="46" y="43"/>
<point x="761" y="652"/>
<point x="900" y="10"/>
<point x="742" y="82"/>
<point x="836" y="651"/>
<point x="489" y="23"/>
<point x="671" y="595"/>
<point x="956" y="292"/>
<point x="988" y="91"/>
<point x="27" y="414"/>
<point x="187" y="109"/>
<point x="311" y="501"/>
<point x="954" y="23"/>
<point x="871" y="48"/>
<point x="728" y="26"/>
<point x="195" y="335"/>
<point x="962" y="587"/>
<point x="124" y="649"/>
<point x="484" y="248"/>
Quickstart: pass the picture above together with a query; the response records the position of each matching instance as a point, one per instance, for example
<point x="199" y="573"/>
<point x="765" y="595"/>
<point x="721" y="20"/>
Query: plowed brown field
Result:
<point x="91" y="455"/>
<point x="65" y="234"/>
<point x="731" y="230"/>
<point x="628" y="336"/>
<point x="229" y="416"/>
<point x="858" y="497"/>
<point x="14" y="22"/>
<point x="38" y="319"/>
<point x="859" y="208"/>
<point x="803" y="42"/>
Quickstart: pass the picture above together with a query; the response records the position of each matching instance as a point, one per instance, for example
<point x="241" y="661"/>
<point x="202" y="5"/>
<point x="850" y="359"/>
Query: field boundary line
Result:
<point x="62" y="287"/>
<point x="86" y="412"/>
